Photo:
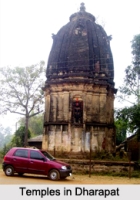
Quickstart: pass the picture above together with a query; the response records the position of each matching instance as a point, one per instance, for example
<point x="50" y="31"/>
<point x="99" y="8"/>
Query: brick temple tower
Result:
<point x="79" y="90"/>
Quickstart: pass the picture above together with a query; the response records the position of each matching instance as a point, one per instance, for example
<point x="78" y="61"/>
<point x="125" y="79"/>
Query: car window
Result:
<point x="36" y="155"/>
<point x="47" y="155"/>
<point x="21" y="153"/>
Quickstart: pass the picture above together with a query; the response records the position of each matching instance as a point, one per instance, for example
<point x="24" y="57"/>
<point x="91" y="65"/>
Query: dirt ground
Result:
<point x="74" y="179"/>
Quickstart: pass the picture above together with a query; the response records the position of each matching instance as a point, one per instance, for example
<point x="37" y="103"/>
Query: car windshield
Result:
<point x="47" y="155"/>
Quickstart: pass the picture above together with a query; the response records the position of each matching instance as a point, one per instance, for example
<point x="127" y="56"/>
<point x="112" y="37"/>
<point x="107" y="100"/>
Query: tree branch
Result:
<point x="35" y="113"/>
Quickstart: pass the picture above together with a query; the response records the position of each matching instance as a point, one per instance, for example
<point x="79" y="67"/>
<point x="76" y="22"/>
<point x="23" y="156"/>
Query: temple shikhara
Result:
<point x="79" y="88"/>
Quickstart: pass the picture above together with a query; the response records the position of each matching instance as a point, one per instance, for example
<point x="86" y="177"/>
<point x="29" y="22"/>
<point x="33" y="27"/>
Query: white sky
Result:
<point x="26" y="27"/>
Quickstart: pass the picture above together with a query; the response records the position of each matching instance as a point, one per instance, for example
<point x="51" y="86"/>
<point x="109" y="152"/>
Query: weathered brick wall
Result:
<point x="83" y="166"/>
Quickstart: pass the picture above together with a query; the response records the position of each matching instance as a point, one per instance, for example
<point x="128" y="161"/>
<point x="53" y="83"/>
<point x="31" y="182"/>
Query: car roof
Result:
<point x="28" y="148"/>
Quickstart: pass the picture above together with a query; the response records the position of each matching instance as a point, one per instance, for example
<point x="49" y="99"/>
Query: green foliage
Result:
<point x="1" y="156"/>
<point x="18" y="139"/>
<point x="130" y="87"/>
<point x="21" y="91"/>
<point x="121" y="128"/>
<point x="130" y="116"/>
<point x="35" y="124"/>
<point x="5" y="149"/>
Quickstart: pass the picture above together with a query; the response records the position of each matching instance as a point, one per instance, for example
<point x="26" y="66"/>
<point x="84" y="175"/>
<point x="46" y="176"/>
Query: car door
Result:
<point x="20" y="160"/>
<point x="37" y="163"/>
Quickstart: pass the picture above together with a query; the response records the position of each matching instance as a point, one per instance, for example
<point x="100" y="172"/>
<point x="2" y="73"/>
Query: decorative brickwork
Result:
<point x="79" y="90"/>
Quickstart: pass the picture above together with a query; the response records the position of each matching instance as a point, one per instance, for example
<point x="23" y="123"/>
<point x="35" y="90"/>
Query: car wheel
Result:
<point x="20" y="174"/>
<point x="54" y="175"/>
<point x="9" y="170"/>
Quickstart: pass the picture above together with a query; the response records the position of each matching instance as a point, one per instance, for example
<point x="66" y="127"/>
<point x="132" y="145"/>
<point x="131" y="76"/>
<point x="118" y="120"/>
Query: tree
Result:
<point x="35" y="124"/>
<point x="121" y="129"/>
<point x="1" y="140"/>
<point x="130" y="90"/>
<point x="21" y="92"/>
<point x="18" y="139"/>
<point x="130" y="117"/>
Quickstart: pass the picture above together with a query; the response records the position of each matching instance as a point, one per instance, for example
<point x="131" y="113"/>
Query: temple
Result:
<point x="79" y="88"/>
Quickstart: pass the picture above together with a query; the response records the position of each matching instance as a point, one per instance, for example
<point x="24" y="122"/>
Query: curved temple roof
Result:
<point x="81" y="50"/>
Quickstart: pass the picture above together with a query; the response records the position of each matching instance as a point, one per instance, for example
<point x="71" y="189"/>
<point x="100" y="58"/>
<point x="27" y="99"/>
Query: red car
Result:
<point x="34" y="161"/>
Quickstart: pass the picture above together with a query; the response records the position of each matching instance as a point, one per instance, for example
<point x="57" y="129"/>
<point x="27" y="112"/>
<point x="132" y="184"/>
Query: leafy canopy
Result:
<point x="35" y="124"/>
<point x="20" y="89"/>
<point x="18" y="138"/>
<point x="130" y="91"/>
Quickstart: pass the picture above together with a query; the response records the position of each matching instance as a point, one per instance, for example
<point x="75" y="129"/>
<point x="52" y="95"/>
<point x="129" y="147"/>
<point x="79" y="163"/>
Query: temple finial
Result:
<point x="82" y="7"/>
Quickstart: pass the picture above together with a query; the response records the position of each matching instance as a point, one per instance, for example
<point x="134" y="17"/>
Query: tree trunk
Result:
<point x="26" y="131"/>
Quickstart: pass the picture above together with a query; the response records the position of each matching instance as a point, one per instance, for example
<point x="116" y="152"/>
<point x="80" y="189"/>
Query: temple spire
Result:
<point x="82" y="7"/>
